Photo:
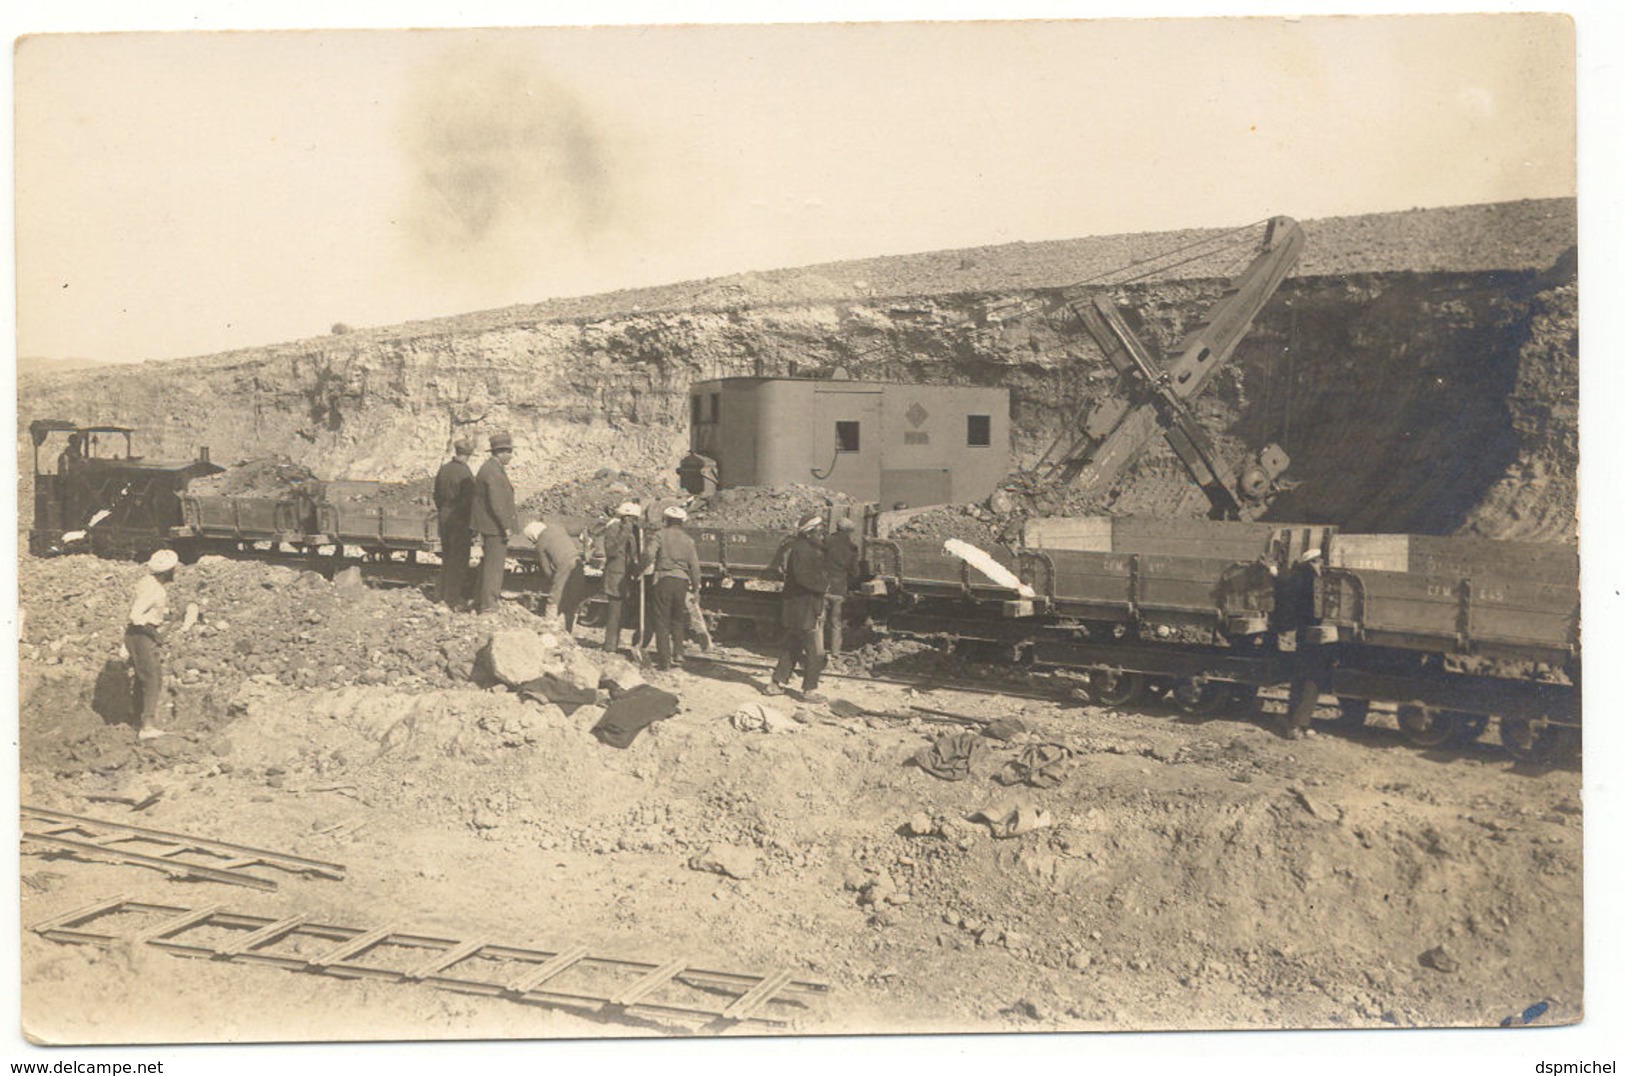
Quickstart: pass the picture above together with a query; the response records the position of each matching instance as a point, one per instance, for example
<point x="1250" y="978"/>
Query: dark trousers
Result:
<point x="618" y="591"/>
<point x="494" y="549"/>
<point x="807" y="648"/>
<point x="670" y="619"/>
<point x="832" y="617"/>
<point x="149" y="673"/>
<point x="1310" y="679"/>
<point x="455" y="543"/>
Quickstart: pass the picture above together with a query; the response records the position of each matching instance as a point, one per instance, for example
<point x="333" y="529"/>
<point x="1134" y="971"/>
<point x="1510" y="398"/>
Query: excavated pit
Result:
<point x="1193" y="874"/>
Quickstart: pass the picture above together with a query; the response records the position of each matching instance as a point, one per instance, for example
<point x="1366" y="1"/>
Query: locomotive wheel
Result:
<point x="1200" y="698"/>
<point x="1351" y="713"/>
<point x="1426" y="727"/>
<point x="1110" y="687"/>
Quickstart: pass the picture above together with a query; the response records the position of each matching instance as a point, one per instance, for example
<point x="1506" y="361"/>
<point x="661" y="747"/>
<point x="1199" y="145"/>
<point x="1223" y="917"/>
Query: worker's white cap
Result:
<point x="534" y="529"/>
<point x="163" y="561"/>
<point x="675" y="512"/>
<point x="1309" y="554"/>
<point x="810" y="522"/>
<point x="630" y="508"/>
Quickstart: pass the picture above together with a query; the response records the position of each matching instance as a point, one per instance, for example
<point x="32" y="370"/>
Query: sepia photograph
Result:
<point x="1051" y="527"/>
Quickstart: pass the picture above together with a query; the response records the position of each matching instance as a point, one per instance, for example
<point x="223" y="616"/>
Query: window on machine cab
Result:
<point x="979" y="431"/>
<point x="846" y="437"/>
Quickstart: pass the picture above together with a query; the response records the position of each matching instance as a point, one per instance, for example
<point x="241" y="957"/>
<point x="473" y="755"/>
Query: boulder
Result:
<point x="517" y="657"/>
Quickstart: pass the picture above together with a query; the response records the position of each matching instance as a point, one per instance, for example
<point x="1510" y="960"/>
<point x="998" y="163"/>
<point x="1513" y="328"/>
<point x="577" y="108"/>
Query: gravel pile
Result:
<point x="269" y="476"/>
<point x="587" y="497"/>
<point x="267" y="624"/>
<point x="766" y="507"/>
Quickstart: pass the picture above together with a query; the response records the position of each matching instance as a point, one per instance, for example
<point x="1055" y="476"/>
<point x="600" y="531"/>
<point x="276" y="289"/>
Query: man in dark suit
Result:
<point x="454" y="505"/>
<point x="494" y="519"/>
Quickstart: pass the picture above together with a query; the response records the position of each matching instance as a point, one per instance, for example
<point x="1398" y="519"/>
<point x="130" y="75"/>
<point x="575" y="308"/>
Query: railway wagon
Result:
<point x="1454" y="632"/>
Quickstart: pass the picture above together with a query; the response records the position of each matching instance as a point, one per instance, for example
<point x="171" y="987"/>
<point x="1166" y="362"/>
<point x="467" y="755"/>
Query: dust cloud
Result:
<point x="506" y="163"/>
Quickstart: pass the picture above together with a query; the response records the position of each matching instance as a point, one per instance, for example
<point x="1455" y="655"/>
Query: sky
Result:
<point x="182" y="194"/>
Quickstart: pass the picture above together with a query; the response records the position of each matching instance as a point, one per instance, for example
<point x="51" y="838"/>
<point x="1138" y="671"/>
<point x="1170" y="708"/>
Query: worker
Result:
<point x="72" y="454"/>
<point x="841" y="571"/>
<point x="697" y="474"/>
<point x="1296" y="614"/>
<point x="621" y="542"/>
<point x="494" y="518"/>
<point x="801" y="611"/>
<point x="147" y="614"/>
<point x="562" y="574"/>
<point x="454" y="505"/>
<point x="674" y="564"/>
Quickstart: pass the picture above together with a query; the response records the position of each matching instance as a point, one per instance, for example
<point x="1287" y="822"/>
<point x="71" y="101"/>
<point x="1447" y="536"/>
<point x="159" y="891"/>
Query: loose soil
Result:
<point x="1193" y="875"/>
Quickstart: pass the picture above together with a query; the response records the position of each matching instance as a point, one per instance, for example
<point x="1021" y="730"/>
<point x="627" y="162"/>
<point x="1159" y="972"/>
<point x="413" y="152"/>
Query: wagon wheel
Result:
<point x="592" y="614"/>
<point x="1200" y="697"/>
<point x="1538" y="741"/>
<point x="1351" y="713"/>
<point x="1424" y="726"/>
<point x="1115" y="687"/>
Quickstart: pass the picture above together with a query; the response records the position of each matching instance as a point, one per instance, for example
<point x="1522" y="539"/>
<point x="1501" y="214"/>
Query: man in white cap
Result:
<point x="675" y="565"/>
<point x="620" y="542"/>
<point x="804" y="585"/>
<point x="560" y="560"/>
<point x="147" y="613"/>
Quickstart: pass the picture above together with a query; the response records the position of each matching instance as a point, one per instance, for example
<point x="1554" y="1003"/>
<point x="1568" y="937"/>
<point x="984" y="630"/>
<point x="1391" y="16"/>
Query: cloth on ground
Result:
<point x="1013" y="819"/>
<point x="951" y="755"/>
<point x="632" y="713"/>
<point x="1042" y="765"/>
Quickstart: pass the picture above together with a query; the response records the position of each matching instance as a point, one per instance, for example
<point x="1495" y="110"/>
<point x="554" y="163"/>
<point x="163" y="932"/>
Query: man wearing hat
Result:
<point x="675" y="564"/>
<point x="804" y="587"/>
<point x="147" y="612"/>
<point x="620" y="542"/>
<point x="494" y="519"/>
<point x="560" y="559"/>
<point x="454" y="507"/>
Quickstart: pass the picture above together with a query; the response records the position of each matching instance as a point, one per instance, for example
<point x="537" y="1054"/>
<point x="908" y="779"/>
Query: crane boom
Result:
<point x="1157" y="398"/>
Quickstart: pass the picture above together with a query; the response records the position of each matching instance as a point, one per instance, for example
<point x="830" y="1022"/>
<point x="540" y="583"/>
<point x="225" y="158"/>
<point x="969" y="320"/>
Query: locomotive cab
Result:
<point x="91" y="492"/>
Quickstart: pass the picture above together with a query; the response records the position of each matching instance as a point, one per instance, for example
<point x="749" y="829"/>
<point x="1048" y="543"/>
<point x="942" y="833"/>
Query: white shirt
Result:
<point x="151" y="604"/>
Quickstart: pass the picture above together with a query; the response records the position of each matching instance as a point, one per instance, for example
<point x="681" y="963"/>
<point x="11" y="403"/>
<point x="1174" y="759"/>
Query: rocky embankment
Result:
<point x="1400" y="339"/>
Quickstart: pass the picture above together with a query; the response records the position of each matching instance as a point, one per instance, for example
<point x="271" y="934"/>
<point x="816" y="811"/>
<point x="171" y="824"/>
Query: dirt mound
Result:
<point x="765" y="507"/>
<point x="390" y="496"/>
<point x="588" y="496"/>
<point x="255" y="623"/>
<point x="267" y="477"/>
